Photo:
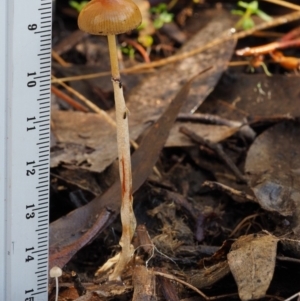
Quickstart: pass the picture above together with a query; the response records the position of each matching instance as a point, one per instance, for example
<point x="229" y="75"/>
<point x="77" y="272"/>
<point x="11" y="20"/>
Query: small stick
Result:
<point x="68" y="99"/>
<point x="139" y="48"/>
<point x="171" y="277"/>
<point x="292" y="297"/>
<point x="289" y="259"/>
<point x="264" y="49"/>
<point x="238" y="227"/>
<point x="217" y="147"/>
<point x="207" y="118"/>
<point x="59" y="59"/>
<point x="230" y="191"/>
<point x="284" y="3"/>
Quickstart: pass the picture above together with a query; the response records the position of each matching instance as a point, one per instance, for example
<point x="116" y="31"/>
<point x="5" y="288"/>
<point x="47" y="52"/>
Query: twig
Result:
<point x="59" y="59"/>
<point x="238" y="227"/>
<point x="171" y="277"/>
<point x="284" y="3"/>
<point x="68" y="99"/>
<point x="208" y="118"/>
<point x="228" y="190"/>
<point x="228" y="36"/>
<point x="289" y="259"/>
<point x="217" y="147"/>
<point x="292" y="297"/>
<point x="244" y="128"/>
<point x="139" y="48"/>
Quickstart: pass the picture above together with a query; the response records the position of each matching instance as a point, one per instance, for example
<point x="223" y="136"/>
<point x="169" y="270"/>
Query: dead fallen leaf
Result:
<point x="213" y="133"/>
<point x="252" y="262"/>
<point x="272" y="166"/>
<point x="148" y="100"/>
<point x="84" y="139"/>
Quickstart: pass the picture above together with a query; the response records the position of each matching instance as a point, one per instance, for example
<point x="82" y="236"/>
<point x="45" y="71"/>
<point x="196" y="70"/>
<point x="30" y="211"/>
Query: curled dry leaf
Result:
<point x="252" y="263"/>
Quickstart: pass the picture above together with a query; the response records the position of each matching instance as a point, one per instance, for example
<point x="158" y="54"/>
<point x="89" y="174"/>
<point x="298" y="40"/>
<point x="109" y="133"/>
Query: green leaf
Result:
<point x="263" y="15"/>
<point x="157" y="23"/>
<point x="166" y="17"/>
<point x="243" y="4"/>
<point x="253" y="6"/>
<point x="160" y="8"/>
<point x="78" y="5"/>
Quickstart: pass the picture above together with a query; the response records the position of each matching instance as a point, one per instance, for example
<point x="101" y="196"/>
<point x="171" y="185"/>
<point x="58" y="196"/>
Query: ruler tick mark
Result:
<point x="43" y="279"/>
<point x="41" y="225"/>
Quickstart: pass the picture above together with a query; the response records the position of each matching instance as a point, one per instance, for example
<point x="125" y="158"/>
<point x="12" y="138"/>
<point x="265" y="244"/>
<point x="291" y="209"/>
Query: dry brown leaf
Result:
<point x="85" y="139"/>
<point x="252" y="263"/>
<point x="255" y="95"/>
<point x="213" y="133"/>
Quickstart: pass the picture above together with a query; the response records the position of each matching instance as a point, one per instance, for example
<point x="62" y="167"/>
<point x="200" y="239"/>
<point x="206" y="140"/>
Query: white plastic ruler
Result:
<point x="25" y="82"/>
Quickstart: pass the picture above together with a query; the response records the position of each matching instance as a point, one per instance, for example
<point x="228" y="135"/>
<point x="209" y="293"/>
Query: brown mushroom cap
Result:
<point x="109" y="17"/>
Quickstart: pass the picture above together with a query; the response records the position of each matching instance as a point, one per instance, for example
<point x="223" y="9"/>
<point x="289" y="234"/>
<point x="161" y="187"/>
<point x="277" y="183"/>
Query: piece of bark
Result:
<point x="210" y="275"/>
<point x="143" y="284"/>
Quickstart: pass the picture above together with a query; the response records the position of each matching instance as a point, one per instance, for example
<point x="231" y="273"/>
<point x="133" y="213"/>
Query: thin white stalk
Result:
<point x="56" y="289"/>
<point x="127" y="215"/>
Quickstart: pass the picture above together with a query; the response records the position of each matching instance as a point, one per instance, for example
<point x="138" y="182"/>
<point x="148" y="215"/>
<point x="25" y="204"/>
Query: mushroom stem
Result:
<point x="56" y="288"/>
<point x="127" y="215"/>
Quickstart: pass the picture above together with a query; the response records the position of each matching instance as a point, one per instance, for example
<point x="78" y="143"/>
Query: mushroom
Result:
<point x="112" y="17"/>
<point x="56" y="272"/>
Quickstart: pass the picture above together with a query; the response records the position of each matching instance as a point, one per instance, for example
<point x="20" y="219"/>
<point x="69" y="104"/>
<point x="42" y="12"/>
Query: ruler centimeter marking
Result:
<point x="25" y="91"/>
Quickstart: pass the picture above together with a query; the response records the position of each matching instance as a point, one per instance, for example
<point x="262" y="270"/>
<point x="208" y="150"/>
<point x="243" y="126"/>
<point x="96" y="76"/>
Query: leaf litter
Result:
<point x="186" y="223"/>
<point x="60" y="229"/>
<point x="145" y="103"/>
